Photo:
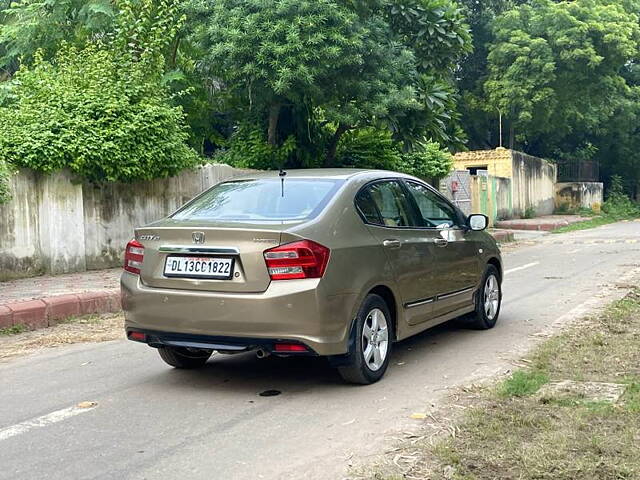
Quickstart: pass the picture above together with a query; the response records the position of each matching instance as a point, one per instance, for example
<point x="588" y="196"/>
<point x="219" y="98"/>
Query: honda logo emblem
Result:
<point x="198" y="237"/>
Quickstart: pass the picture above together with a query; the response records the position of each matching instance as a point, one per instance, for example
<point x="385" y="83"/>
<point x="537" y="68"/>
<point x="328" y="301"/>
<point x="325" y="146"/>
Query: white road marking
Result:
<point x="43" y="421"/>
<point x="523" y="267"/>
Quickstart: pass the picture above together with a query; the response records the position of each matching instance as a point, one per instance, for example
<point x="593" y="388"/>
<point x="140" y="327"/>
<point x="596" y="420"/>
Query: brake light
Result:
<point x="133" y="255"/>
<point x="303" y="259"/>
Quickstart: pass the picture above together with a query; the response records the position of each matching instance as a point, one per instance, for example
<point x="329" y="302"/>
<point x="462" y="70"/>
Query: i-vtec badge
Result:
<point x="198" y="237"/>
<point x="148" y="237"/>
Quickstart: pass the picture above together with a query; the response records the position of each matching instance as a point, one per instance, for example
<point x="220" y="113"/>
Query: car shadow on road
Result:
<point x="245" y="372"/>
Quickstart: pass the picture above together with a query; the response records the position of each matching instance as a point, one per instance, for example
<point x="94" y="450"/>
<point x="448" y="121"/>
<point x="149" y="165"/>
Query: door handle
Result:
<point x="392" y="243"/>
<point x="441" y="242"/>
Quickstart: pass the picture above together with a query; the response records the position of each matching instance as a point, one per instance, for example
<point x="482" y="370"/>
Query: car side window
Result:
<point x="435" y="212"/>
<point x="391" y="202"/>
<point x="368" y="208"/>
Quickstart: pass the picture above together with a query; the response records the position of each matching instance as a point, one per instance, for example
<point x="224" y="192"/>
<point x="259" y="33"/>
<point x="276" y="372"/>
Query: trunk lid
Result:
<point x="244" y="243"/>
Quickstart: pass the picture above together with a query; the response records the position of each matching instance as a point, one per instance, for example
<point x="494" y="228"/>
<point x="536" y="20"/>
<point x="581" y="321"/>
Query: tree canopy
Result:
<point x="135" y="89"/>
<point x="298" y="75"/>
<point x="100" y="110"/>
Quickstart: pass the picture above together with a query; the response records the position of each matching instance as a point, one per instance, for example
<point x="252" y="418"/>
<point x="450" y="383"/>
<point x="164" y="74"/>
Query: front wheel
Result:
<point x="488" y="301"/>
<point x="187" y="358"/>
<point x="373" y="341"/>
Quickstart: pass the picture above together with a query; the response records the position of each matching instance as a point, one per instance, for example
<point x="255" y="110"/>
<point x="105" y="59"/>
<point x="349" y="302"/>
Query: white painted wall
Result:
<point x="56" y="225"/>
<point x="533" y="182"/>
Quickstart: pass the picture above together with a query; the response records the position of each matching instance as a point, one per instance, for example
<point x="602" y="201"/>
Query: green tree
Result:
<point x="27" y="26"/>
<point x="556" y="71"/>
<point x="101" y="111"/>
<point x="437" y="34"/>
<point x="309" y="72"/>
<point x="480" y="123"/>
<point x="271" y="54"/>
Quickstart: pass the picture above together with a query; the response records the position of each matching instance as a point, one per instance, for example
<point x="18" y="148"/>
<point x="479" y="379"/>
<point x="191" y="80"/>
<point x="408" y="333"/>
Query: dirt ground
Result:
<point x="93" y="328"/>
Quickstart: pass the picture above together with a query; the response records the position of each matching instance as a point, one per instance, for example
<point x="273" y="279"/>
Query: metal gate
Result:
<point x="457" y="188"/>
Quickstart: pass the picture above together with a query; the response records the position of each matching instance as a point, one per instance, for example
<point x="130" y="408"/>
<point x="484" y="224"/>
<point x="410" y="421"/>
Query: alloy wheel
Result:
<point x="491" y="297"/>
<point x="375" y="339"/>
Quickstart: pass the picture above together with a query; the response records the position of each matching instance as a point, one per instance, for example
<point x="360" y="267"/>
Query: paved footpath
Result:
<point x="44" y="301"/>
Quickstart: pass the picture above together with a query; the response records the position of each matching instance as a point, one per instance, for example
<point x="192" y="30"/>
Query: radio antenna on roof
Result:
<point x="282" y="174"/>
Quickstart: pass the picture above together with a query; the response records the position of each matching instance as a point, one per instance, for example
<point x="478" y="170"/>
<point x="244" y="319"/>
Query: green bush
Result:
<point x="98" y="114"/>
<point x="429" y="161"/>
<point x="618" y="204"/>
<point x="376" y="148"/>
<point x="248" y="148"/>
<point x="529" y="212"/>
<point x="368" y="148"/>
<point x="102" y="110"/>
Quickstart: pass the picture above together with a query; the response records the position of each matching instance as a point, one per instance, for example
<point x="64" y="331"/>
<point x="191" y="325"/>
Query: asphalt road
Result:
<point x="153" y="422"/>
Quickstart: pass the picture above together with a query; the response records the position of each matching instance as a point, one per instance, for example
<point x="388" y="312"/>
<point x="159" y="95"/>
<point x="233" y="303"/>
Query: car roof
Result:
<point x="332" y="173"/>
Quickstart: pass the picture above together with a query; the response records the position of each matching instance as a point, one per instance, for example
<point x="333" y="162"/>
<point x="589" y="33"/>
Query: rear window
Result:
<point x="262" y="199"/>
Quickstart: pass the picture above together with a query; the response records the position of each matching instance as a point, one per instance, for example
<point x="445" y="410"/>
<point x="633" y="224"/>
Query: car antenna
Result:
<point x="282" y="174"/>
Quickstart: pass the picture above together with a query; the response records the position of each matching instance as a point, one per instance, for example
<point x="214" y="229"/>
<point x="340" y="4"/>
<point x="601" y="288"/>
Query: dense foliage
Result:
<point x="132" y="89"/>
<point x="556" y="70"/>
<point x="100" y="111"/>
<point x="5" y="193"/>
<point x="307" y="73"/>
<point x="44" y="25"/>
<point x="618" y="204"/>
<point x="563" y="76"/>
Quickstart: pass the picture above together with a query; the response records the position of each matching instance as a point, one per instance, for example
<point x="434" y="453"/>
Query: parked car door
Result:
<point x="411" y="252"/>
<point x="458" y="260"/>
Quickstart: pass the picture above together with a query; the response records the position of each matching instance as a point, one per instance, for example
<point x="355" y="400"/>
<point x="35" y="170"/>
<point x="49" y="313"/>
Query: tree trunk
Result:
<point x="333" y="145"/>
<point x="272" y="134"/>
<point x="174" y="54"/>
<point x="512" y="136"/>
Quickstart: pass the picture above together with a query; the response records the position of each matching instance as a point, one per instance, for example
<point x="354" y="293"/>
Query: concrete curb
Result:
<point x="49" y="311"/>
<point x="539" y="227"/>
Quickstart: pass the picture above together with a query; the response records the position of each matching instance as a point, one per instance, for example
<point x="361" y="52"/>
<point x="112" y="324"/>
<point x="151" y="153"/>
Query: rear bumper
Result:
<point x="223" y="344"/>
<point x="292" y="310"/>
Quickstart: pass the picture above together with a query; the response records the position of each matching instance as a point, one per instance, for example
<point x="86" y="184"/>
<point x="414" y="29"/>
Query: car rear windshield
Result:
<point x="262" y="200"/>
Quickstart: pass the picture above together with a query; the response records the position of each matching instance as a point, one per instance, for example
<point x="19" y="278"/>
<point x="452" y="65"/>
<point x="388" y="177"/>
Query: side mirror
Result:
<point x="477" y="222"/>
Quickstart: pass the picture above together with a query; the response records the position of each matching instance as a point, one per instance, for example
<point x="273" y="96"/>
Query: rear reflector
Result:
<point x="303" y="259"/>
<point x="137" y="336"/>
<point x="289" y="347"/>
<point x="133" y="256"/>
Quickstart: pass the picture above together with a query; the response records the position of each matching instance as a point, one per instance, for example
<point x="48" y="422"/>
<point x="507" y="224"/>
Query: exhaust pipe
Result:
<point x="261" y="353"/>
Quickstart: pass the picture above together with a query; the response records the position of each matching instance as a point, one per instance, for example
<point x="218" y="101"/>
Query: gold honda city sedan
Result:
<point x="336" y="263"/>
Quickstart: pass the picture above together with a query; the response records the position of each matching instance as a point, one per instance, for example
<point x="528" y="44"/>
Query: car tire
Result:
<point x="373" y="342"/>
<point x="488" y="301"/>
<point x="185" y="358"/>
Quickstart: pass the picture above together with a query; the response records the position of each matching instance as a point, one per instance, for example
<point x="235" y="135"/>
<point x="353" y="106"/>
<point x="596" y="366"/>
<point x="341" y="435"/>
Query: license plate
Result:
<point x="198" y="267"/>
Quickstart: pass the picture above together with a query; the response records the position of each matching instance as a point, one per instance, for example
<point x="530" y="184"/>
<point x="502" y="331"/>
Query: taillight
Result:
<point x="303" y="259"/>
<point x="133" y="255"/>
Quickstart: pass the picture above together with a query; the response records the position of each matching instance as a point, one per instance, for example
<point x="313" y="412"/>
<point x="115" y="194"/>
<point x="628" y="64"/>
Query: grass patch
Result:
<point x="516" y="432"/>
<point x="13" y="330"/>
<point x="522" y="383"/>
<point x="592" y="223"/>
